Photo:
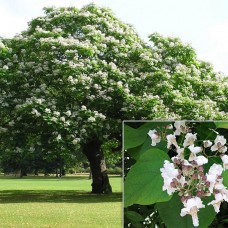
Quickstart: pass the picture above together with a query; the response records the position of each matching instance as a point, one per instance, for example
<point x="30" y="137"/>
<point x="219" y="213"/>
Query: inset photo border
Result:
<point x="175" y="173"/>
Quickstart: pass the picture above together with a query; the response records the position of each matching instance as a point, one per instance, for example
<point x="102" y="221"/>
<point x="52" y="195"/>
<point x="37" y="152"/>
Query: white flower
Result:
<point x="212" y="180"/>
<point x="68" y="113"/>
<point x="207" y="143"/>
<point x="155" y="137"/>
<point x="11" y="123"/>
<point x="192" y="206"/>
<point x="62" y="118"/>
<point x="201" y="160"/>
<point x="54" y="119"/>
<point x="216" y="169"/>
<point x="171" y="44"/>
<point x="39" y="101"/>
<point x="194" y="150"/>
<point x="83" y="108"/>
<point x="217" y="202"/>
<point x="170" y="126"/>
<point x="169" y="173"/>
<point x="219" y="145"/>
<point x="180" y="127"/>
<point x="212" y="176"/>
<point x="35" y="112"/>
<point x="76" y="141"/>
<point x="119" y="84"/>
<point x="58" y="137"/>
<point x="189" y="139"/>
<point x="186" y="163"/>
<point x="225" y="161"/>
<point x="91" y="119"/>
<point x="47" y="110"/>
<point x="171" y="141"/>
<point x="2" y="45"/>
<point x="56" y="113"/>
<point x="180" y="153"/>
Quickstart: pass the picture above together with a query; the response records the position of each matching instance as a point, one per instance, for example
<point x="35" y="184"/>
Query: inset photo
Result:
<point x="175" y="174"/>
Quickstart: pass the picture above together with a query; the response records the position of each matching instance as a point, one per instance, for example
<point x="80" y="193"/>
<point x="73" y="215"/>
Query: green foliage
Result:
<point x="143" y="184"/>
<point x="133" y="216"/>
<point x="225" y="178"/>
<point x="222" y="124"/>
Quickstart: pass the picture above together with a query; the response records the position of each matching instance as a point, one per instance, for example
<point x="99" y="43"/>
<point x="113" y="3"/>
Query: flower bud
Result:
<point x="200" y="168"/>
<point x="204" y="178"/>
<point x="183" y="198"/>
<point x="194" y="176"/>
<point x="199" y="194"/>
<point x="179" y="177"/>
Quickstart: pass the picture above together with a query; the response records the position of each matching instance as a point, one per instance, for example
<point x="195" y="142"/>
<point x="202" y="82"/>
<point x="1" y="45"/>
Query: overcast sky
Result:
<point x="202" y="23"/>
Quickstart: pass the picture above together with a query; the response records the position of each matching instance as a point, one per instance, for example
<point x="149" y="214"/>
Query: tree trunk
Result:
<point x="98" y="168"/>
<point x="90" y="175"/>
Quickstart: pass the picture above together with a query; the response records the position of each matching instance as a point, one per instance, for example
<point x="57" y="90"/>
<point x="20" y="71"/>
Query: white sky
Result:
<point x="202" y="23"/>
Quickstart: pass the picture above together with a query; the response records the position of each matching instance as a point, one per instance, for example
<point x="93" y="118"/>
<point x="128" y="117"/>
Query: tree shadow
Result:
<point x="56" y="196"/>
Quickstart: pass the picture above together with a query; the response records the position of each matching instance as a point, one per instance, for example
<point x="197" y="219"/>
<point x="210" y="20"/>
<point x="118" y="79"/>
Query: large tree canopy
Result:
<point x="73" y="75"/>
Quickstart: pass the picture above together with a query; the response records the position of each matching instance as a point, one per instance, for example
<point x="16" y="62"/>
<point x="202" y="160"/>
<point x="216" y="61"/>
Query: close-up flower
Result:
<point x="171" y="140"/>
<point x="219" y="144"/>
<point x="180" y="127"/>
<point x="225" y="161"/>
<point x="189" y="139"/>
<point x="194" y="151"/>
<point x="155" y="137"/>
<point x="169" y="173"/>
<point x="219" y="198"/>
<point x="180" y="153"/>
<point x="200" y="160"/>
<point x="191" y="207"/>
<point x="207" y="143"/>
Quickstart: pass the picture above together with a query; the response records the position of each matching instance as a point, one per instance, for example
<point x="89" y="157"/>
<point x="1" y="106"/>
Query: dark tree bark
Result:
<point x="96" y="159"/>
<point x="23" y="172"/>
<point x="90" y="175"/>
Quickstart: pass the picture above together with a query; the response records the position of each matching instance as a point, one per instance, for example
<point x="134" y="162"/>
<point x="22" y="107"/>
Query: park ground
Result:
<point x="49" y="202"/>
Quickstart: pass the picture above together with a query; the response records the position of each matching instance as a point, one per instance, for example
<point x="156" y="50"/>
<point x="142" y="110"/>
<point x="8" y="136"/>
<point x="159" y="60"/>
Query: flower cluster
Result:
<point x="186" y="173"/>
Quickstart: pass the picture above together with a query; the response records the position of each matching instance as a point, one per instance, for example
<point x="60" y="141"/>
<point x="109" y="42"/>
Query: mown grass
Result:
<point x="66" y="202"/>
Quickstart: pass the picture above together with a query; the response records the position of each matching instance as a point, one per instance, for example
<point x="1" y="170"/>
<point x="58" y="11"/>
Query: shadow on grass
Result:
<point x="64" y="178"/>
<point x="59" y="196"/>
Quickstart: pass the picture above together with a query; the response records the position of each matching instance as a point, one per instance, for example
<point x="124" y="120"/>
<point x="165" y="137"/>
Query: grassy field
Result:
<point x="38" y="202"/>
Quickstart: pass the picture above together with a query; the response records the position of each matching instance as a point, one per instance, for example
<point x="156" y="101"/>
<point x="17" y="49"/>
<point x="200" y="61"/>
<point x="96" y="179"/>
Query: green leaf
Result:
<point x="143" y="184"/>
<point x="221" y="124"/>
<point x="133" y="216"/>
<point x="132" y="137"/>
<point x="204" y="131"/>
<point x="170" y="213"/>
<point x="225" y="177"/>
<point x="136" y="152"/>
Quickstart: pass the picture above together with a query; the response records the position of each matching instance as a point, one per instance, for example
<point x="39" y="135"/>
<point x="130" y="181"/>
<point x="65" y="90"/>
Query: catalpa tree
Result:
<point x="71" y="78"/>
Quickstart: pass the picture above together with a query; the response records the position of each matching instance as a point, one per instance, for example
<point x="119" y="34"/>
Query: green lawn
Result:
<point x="58" y="203"/>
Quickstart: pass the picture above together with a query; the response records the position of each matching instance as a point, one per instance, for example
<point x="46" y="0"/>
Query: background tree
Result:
<point x="73" y="75"/>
